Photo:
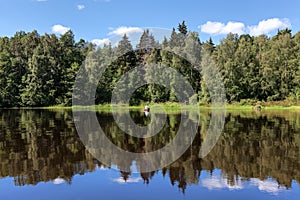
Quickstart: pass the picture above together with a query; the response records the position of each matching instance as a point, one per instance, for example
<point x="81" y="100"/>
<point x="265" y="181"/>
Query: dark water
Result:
<point x="42" y="157"/>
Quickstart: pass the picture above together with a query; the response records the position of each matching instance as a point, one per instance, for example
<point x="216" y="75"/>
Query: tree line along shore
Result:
<point x="40" y="70"/>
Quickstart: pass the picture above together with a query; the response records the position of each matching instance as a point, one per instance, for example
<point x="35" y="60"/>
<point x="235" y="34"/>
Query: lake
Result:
<point x="43" y="157"/>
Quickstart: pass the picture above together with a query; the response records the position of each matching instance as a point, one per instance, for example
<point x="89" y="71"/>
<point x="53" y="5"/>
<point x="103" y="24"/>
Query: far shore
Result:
<point x="268" y="106"/>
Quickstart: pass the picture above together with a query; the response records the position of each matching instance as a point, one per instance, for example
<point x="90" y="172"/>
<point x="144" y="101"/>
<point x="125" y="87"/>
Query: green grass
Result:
<point x="176" y="108"/>
<point x="172" y="107"/>
<point x="297" y="108"/>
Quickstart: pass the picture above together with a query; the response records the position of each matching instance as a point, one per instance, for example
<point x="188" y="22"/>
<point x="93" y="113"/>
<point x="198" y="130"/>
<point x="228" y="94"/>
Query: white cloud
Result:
<point x="213" y="183"/>
<point x="269" y="25"/>
<point x="60" y="29"/>
<point x="101" y="167"/>
<point x="80" y="7"/>
<point x="267" y="186"/>
<point x="234" y="27"/>
<point x="211" y="27"/>
<point x="101" y="42"/>
<point x="41" y="0"/>
<point x="125" y="30"/>
<point x="58" y="181"/>
<point x="218" y="28"/>
<point x="130" y="180"/>
<point x="263" y="27"/>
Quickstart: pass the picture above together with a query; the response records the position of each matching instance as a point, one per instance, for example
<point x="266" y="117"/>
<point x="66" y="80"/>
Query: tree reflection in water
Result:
<point x="43" y="145"/>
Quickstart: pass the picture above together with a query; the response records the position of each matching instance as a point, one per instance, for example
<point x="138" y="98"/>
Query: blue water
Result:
<point x="108" y="184"/>
<point x="42" y="158"/>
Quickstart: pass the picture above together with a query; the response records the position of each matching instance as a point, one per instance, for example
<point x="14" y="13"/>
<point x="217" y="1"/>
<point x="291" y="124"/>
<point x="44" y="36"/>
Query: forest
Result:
<point x="40" y="70"/>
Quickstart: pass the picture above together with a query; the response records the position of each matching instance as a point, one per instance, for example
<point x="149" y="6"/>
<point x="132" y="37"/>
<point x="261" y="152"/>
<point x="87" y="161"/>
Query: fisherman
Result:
<point x="147" y="108"/>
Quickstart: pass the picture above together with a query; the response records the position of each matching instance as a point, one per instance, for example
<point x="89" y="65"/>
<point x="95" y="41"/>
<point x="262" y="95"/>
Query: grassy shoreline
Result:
<point x="169" y="107"/>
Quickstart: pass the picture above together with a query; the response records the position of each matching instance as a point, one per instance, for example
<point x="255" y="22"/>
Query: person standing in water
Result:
<point x="147" y="110"/>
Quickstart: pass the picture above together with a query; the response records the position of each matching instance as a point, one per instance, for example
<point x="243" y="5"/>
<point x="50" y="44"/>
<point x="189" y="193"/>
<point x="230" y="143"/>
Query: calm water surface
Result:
<point x="42" y="157"/>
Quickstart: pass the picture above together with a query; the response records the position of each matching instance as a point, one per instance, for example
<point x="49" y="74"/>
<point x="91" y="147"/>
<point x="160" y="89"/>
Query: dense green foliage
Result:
<point x="40" y="70"/>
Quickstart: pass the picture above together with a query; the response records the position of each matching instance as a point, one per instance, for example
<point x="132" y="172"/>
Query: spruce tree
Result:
<point x="182" y="28"/>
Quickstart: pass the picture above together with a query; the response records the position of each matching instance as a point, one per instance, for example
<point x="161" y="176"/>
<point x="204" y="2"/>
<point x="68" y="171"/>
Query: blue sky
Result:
<point x="97" y="20"/>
